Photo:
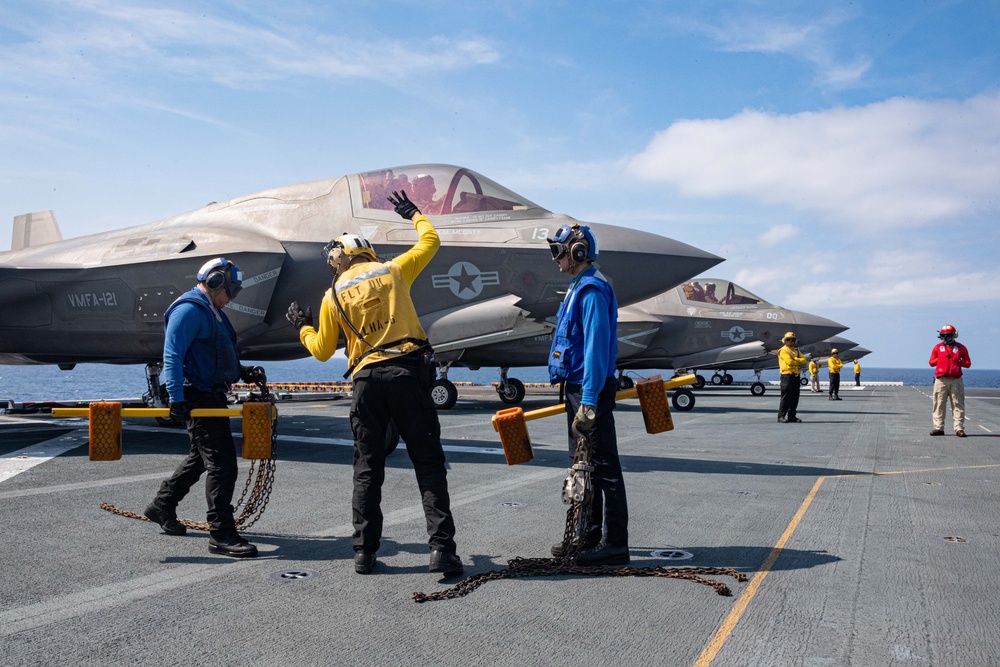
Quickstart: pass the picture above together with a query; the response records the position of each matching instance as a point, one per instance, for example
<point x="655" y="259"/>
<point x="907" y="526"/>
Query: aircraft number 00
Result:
<point x="772" y="316"/>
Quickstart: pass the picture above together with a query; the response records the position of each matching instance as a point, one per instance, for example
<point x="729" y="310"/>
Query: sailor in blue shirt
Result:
<point x="200" y="362"/>
<point x="582" y="358"/>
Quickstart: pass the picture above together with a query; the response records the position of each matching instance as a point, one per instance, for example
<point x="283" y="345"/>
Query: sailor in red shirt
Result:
<point x="948" y="359"/>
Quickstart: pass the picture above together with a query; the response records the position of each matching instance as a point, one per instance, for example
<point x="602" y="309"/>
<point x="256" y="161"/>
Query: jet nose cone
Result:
<point x="811" y="328"/>
<point x="642" y="264"/>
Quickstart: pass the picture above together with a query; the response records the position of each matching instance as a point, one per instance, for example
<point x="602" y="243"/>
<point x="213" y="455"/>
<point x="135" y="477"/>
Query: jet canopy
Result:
<point x="436" y="189"/>
<point x="722" y="292"/>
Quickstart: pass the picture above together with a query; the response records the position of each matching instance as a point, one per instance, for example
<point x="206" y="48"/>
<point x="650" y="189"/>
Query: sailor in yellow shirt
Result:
<point x="814" y="376"/>
<point x="789" y="361"/>
<point x="392" y="369"/>
<point x="834" y="364"/>
<point x="857" y="373"/>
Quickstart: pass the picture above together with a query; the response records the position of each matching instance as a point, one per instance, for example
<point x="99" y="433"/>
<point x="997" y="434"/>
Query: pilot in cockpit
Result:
<point x="710" y="294"/>
<point x="423" y="190"/>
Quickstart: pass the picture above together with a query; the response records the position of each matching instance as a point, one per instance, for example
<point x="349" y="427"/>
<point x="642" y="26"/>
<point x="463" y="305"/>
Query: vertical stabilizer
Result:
<point x="33" y="229"/>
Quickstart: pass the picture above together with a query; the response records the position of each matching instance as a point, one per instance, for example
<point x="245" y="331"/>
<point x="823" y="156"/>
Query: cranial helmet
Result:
<point x="833" y="351"/>
<point x="948" y="330"/>
<point x="789" y="335"/>
<point x="577" y="240"/>
<point x="220" y="272"/>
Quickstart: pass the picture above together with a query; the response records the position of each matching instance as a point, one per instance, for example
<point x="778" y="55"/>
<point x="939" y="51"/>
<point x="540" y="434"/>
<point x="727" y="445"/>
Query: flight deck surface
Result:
<point x="865" y="542"/>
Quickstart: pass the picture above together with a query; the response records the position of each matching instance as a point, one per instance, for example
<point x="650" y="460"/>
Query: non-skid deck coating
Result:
<point x="865" y="542"/>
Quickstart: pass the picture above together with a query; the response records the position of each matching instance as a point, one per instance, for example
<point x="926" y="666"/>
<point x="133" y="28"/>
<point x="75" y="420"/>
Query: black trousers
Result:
<point x="834" y="385"/>
<point x="609" y="511"/>
<point x="393" y="391"/>
<point x="857" y="379"/>
<point x="789" y="403"/>
<point x="212" y="452"/>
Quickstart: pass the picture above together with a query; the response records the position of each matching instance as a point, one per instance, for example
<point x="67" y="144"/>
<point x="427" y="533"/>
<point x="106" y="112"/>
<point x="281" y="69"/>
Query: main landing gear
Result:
<point x="443" y="392"/>
<point x="757" y="388"/>
<point x="156" y="394"/>
<point x="511" y="390"/>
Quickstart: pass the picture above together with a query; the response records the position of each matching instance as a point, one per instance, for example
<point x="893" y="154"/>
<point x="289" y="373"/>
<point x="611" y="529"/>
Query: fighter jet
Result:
<point x="101" y="298"/>
<point x="818" y="350"/>
<point x="702" y="324"/>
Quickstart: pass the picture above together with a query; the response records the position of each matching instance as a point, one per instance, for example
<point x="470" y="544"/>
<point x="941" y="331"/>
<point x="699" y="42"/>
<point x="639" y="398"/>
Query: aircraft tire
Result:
<point x="444" y="394"/>
<point x="625" y="382"/>
<point x="683" y="400"/>
<point x="758" y="389"/>
<point x="727" y="379"/>
<point x="167" y="421"/>
<point x="716" y="379"/>
<point x="803" y="381"/>
<point x="511" y="392"/>
<point x="699" y="381"/>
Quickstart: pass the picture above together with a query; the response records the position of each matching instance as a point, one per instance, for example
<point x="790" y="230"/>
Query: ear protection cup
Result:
<point x="215" y="279"/>
<point x="578" y="251"/>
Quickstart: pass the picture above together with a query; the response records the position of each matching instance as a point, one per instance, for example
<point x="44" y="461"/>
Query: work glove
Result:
<point x="585" y="418"/>
<point x="179" y="412"/>
<point x="404" y="207"/>
<point x="298" y="317"/>
<point x="252" y="374"/>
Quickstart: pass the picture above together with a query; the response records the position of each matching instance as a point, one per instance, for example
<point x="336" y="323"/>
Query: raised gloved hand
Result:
<point x="179" y="412"/>
<point x="585" y="418"/>
<point x="298" y="317"/>
<point x="252" y="374"/>
<point x="404" y="207"/>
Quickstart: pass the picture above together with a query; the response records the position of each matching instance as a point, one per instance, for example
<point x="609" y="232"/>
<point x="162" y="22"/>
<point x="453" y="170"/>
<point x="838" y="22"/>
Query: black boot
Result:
<point x="231" y="544"/>
<point x="167" y="520"/>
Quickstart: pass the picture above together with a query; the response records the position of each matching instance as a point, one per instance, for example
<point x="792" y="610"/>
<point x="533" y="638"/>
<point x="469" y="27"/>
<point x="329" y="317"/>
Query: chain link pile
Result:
<point x="578" y="493"/>
<point x="253" y="501"/>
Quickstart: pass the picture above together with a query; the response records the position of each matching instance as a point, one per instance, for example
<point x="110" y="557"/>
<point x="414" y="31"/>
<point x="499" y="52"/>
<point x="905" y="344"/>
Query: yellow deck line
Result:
<point x="729" y="624"/>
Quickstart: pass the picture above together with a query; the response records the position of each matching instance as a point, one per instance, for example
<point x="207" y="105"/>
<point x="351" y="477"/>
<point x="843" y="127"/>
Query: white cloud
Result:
<point x="813" y="40"/>
<point x="777" y="234"/>
<point x="898" y="163"/>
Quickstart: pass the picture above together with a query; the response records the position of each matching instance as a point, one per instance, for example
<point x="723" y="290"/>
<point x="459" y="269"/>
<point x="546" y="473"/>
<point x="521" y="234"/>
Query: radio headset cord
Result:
<point x="252" y="501"/>
<point x="578" y="494"/>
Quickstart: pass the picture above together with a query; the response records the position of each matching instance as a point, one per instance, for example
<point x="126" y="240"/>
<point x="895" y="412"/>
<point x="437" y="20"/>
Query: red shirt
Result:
<point x="949" y="360"/>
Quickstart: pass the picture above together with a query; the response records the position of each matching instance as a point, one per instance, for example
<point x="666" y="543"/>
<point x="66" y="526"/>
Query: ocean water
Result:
<point x="104" y="381"/>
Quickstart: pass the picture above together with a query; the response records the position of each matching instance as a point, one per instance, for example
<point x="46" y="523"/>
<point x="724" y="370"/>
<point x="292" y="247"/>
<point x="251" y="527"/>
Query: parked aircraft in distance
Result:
<point x="709" y="323"/>
<point x="101" y="298"/>
<point x="819" y="350"/>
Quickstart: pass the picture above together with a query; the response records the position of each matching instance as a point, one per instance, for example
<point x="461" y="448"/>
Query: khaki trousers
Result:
<point x="953" y="388"/>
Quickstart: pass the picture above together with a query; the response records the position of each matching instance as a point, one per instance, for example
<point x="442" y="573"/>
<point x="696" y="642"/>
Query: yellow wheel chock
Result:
<point x="106" y="425"/>
<point x="511" y="423"/>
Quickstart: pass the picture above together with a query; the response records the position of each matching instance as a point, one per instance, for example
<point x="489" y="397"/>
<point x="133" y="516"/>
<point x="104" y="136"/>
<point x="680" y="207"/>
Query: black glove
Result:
<point x="180" y="412"/>
<point x="298" y="317"/>
<point x="252" y="374"/>
<point x="404" y="207"/>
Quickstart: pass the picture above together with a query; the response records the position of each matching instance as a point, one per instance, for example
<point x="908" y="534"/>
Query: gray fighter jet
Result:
<point x="709" y="323"/>
<point x="818" y="350"/>
<point x="101" y="298"/>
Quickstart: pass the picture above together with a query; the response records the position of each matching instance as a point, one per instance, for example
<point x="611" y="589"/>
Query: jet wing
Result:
<point x="489" y="322"/>
<point x="721" y="355"/>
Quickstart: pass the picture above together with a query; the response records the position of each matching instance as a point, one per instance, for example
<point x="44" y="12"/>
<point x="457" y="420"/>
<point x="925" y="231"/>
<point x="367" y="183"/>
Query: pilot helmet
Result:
<point x="577" y="240"/>
<point x="948" y="331"/>
<point x="221" y="273"/>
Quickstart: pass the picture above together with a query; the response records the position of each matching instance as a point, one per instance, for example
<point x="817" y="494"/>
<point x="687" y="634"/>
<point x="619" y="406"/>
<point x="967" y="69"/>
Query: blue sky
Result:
<point x="844" y="157"/>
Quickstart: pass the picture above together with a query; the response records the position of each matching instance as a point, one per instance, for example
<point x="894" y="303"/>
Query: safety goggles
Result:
<point x="559" y="244"/>
<point x="235" y="283"/>
<point x="328" y="248"/>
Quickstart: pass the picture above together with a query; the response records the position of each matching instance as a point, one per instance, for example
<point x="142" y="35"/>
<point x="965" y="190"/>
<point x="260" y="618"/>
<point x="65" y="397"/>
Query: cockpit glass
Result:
<point x="439" y="190"/>
<point x="721" y="292"/>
